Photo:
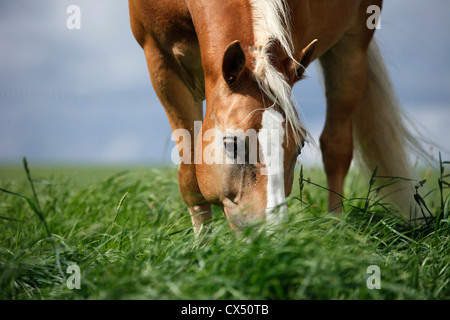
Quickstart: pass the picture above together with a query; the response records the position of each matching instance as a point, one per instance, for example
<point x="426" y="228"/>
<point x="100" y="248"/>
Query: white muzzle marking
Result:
<point x="271" y="137"/>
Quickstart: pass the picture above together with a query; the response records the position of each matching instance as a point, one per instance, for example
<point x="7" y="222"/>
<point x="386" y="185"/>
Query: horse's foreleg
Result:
<point x="344" y="68"/>
<point x="182" y="110"/>
<point x="199" y="207"/>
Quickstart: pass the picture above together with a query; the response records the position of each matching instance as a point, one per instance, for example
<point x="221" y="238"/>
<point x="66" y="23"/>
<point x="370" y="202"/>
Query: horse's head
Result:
<point x="247" y="150"/>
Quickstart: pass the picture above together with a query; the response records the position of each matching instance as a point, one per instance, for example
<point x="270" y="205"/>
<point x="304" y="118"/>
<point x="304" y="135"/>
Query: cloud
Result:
<point x="431" y="121"/>
<point x="123" y="148"/>
<point x="85" y="94"/>
<point x="40" y="54"/>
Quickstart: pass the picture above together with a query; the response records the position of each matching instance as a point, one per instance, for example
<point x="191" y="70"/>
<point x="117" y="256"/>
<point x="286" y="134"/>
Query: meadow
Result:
<point x="129" y="233"/>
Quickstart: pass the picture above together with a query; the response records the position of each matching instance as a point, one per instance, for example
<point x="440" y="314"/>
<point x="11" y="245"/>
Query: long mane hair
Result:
<point x="271" y="26"/>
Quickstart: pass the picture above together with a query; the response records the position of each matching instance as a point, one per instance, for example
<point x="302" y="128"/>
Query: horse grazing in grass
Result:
<point x="243" y="57"/>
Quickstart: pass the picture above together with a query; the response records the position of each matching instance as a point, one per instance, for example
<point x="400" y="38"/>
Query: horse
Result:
<point x="243" y="57"/>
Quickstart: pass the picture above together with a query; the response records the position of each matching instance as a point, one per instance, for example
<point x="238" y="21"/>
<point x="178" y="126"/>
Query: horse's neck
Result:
<point x="217" y="24"/>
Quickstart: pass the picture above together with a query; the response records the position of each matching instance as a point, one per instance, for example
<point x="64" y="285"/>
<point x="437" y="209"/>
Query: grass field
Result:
<point x="131" y="237"/>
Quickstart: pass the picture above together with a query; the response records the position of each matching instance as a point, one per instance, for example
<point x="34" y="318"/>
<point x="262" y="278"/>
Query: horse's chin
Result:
<point x="241" y="216"/>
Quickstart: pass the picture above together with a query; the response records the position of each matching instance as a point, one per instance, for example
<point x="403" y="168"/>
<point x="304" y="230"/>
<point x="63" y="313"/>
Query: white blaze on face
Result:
<point x="271" y="138"/>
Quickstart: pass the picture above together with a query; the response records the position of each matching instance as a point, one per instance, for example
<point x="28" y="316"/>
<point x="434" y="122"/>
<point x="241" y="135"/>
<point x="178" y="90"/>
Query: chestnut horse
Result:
<point x="243" y="57"/>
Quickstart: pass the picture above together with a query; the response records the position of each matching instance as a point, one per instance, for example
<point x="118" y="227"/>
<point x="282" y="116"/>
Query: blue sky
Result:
<point x="84" y="96"/>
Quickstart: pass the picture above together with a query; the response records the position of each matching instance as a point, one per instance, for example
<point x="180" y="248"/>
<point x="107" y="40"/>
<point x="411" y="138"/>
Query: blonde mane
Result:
<point x="271" y="21"/>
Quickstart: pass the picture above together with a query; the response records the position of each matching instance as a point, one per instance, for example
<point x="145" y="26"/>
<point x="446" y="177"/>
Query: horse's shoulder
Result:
<point x="166" y="20"/>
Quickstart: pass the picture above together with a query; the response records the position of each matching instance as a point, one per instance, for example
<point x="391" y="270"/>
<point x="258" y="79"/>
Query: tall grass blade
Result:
<point x="35" y="206"/>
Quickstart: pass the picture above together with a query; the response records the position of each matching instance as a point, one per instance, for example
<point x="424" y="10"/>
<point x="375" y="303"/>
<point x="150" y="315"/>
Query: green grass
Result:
<point x="131" y="236"/>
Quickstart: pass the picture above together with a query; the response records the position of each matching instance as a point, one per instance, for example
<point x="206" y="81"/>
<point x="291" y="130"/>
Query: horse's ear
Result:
<point x="295" y="69"/>
<point x="233" y="62"/>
